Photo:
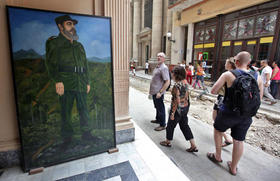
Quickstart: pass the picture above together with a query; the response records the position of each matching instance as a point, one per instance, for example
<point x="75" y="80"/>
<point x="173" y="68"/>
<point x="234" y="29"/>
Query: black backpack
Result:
<point x="244" y="93"/>
<point x="169" y="82"/>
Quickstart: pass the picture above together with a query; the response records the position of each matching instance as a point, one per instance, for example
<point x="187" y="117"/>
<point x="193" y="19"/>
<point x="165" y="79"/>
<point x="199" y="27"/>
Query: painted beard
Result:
<point x="70" y="35"/>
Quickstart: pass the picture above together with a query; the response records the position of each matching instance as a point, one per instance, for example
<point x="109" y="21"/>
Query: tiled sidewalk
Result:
<point x="147" y="161"/>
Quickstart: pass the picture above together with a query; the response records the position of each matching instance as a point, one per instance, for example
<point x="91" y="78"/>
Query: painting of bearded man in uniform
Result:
<point x="63" y="85"/>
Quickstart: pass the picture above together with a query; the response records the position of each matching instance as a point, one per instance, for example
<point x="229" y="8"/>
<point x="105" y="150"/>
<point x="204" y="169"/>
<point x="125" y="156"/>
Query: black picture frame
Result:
<point x="23" y="63"/>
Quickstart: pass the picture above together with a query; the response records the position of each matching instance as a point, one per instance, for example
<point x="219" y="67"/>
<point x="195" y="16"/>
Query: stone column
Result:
<point x="190" y="43"/>
<point x="142" y="15"/>
<point x="136" y="26"/>
<point x="168" y="28"/>
<point x="98" y="7"/>
<point x="120" y="13"/>
<point x="156" y="28"/>
<point x="131" y="31"/>
<point x="177" y="52"/>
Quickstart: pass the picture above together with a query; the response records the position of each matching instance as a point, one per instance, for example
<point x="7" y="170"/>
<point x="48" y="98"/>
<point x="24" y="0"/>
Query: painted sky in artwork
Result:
<point x="30" y="29"/>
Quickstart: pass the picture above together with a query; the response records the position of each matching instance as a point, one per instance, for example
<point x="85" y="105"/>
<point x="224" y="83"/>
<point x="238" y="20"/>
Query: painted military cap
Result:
<point x="61" y="19"/>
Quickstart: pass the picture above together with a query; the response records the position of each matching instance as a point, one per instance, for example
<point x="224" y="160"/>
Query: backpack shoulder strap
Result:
<point x="254" y="74"/>
<point x="236" y="73"/>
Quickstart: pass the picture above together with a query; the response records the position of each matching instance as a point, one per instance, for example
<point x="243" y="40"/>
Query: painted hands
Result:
<point x="59" y="88"/>
<point x="88" y="88"/>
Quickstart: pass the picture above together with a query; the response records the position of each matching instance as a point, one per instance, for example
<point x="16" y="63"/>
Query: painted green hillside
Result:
<point x="39" y="113"/>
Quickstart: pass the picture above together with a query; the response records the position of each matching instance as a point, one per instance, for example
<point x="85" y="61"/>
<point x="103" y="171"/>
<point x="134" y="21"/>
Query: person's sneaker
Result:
<point x="155" y="121"/>
<point x="273" y="102"/>
<point x="160" y="128"/>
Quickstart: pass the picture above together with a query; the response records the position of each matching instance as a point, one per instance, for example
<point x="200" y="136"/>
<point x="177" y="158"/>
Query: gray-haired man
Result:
<point x="158" y="86"/>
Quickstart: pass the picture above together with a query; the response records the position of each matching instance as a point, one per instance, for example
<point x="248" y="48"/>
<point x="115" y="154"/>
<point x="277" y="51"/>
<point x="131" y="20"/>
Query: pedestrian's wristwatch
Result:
<point x="160" y="91"/>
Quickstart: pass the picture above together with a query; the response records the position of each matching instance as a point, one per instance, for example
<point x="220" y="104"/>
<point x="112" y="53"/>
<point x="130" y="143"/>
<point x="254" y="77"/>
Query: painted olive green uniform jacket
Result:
<point x="66" y="62"/>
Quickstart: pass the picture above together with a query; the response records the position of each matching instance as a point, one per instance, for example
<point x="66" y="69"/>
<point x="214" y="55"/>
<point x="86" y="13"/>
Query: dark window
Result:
<point x="164" y="44"/>
<point x="252" y="10"/>
<point x="264" y="51"/>
<point x="230" y="30"/>
<point x="251" y="48"/>
<point x="254" y="26"/>
<point x="226" y="51"/>
<point x="199" y="36"/>
<point x="171" y="2"/>
<point x="186" y="43"/>
<point x="225" y="54"/>
<point x="211" y="52"/>
<point x="277" y="56"/>
<point x="210" y="33"/>
<point x="211" y="21"/>
<point x="231" y="16"/>
<point x="147" y="53"/>
<point x="237" y="47"/>
<point x="148" y="15"/>
<point x="199" y="25"/>
<point x="265" y="24"/>
<point x="246" y="27"/>
<point x="205" y="33"/>
<point x="268" y="6"/>
<point x="248" y="11"/>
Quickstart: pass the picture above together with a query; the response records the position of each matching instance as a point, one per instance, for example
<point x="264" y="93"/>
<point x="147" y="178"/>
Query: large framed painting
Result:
<point x="63" y="79"/>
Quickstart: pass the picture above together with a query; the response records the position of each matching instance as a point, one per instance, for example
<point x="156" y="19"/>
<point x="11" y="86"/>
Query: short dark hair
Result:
<point x="179" y="73"/>
<point x="253" y="61"/>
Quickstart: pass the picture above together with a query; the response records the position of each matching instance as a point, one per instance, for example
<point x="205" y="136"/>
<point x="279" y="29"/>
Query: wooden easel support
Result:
<point x="113" y="150"/>
<point x="36" y="170"/>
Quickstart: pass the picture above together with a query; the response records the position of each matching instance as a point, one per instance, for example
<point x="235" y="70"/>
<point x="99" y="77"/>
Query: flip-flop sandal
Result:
<point x="165" y="143"/>
<point x="229" y="168"/>
<point x="194" y="149"/>
<point x="211" y="156"/>
<point x="226" y="143"/>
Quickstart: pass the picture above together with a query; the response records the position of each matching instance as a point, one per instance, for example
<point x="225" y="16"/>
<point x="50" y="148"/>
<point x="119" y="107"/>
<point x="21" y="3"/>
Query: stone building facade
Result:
<point x="200" y="31"/>
<point x="219" y="29"/>
<point x="150" y="22"/>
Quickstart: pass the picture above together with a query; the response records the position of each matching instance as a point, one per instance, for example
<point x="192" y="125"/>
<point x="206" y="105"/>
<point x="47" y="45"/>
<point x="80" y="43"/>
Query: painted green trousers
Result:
<point x="66" y="103"/>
